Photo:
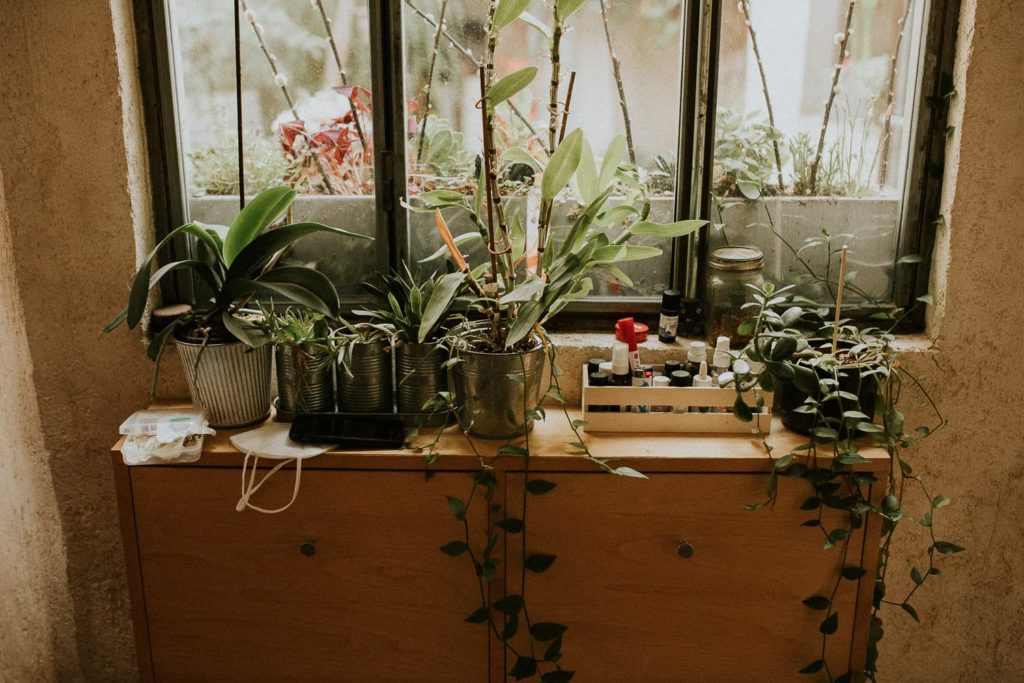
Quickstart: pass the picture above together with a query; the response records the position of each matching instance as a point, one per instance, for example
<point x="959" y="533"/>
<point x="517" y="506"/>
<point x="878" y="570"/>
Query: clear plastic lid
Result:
<point x="167" y="425"/>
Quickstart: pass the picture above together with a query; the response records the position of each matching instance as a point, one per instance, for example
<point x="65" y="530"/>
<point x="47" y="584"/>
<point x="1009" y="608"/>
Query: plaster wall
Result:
<point x="76" y="218"/>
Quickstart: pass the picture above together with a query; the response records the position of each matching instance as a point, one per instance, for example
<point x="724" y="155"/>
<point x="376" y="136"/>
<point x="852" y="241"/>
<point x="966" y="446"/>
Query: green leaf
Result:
<point x="306" y="286"/>
<point x="263" y="210"/>
<point x="458" y="239"/>
<point x="508" y="11"/>
<point x="524" y="668"/>
<point x="525" y="291"/>
<point x="947" y="548"/>
<point x="539" y="487"/>
<point x="562" y="165"/>
<point x="915" y="576"/>
<point x="456" y="507"/>
<point x="509" y="86"/>
<point x="677" y="229"/>
<point x="812" y="503"/>
<point x="831" y="623"/>
<point x="539" y="562"/>
<point x="610" y="162"/>
<point x="546" y="631"/>
<point x="814" y="667"/>
<point x="455" y="548"/>
<point x="741" y="410"/>
<point x="511" y="525"/>
<point x="617" y="253"/>
<point x="565" y="8"/>
<point x="529" y="315"/>
<point x="244" y="331"/>
<point x="750" y="190"/>
<point x="518" y="155"/>
<point x="258" y="253"/>
<point x="510" y="604"/>
<point x="440" y="301"/>
<point x="852" y="572"/>
<point x="817" y="602"/>
<point x="926" y="299"/>
<point x="940" y="501"/>
<point x="509" y="449"/>
<point x="511" y="627"/>
<point x="910" y="610"/>
<point x="479" y="616"/>
<point x="805" y="379"/>
<point x="910" y="258"/>
<point x="628" y="472"/>
<point x="586" y="175"/>
<point x="557" y="676"/>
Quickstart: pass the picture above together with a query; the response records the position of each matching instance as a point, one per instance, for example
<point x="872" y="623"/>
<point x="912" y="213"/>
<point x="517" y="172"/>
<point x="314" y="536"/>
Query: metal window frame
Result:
<point x="698" y="84"/>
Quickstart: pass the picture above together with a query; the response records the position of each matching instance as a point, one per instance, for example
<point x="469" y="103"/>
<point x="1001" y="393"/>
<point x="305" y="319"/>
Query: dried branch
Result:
<point x="617" y="73"/>
<point x="282" y="83"/>
<point x="745" y="7"/>
<point x="430" y="78"/>
<point x="883" y="171"/>
<point x="487" y="124"/>
<point x="341" y="71"/>
<point x="556" y="65"/>
<point x="831" y="96"/>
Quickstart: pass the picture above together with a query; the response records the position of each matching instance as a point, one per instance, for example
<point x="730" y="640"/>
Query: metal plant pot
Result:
<point x="488" y="402"/>
<point x="305" y="381"/>
<point x="366" y="386"/>
<point x="420" y="375"/>
<point x="230" y="382"/>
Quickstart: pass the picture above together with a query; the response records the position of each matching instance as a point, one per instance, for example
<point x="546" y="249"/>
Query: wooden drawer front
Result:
<point x="230" y="597"/>
<point x="637" y="611"/>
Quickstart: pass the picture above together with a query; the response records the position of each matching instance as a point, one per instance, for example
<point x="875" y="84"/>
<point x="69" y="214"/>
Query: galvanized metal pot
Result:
<point x="231" y="381"/>
<point x="419" y="374"/>
<point x="490" y="404"/>
<point x="366" y="386"/>
<point x="305" y="381"/>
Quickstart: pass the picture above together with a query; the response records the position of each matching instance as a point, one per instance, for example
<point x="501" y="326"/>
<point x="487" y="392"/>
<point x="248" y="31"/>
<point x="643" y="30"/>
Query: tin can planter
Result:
<point x="364" y="378"/>
<point x="229" y="381"/>
<point x="488" y="401"/>
<point x="419" y="375"/>
<point x="305" y="381"/>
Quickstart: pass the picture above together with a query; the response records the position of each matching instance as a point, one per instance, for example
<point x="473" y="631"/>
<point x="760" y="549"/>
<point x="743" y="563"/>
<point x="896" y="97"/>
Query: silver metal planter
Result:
<point x="490" y="404"/>
<point x="305" y="381"/>
<point x="419" y="375"/>
<point x="231" y="381"/>
<point x="366" y="387"/>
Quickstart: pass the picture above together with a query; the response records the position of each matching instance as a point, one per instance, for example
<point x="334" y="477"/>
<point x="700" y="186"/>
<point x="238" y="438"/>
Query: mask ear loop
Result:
<point x="248" y="489"/>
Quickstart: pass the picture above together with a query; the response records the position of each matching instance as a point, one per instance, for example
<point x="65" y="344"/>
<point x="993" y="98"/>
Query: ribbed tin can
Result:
<point x="419" y="375"/>
<point x="368" y="388"/>
<point x="489" y="403"/>
<point x="305" y="381"/>
<point x="231" y="382"/>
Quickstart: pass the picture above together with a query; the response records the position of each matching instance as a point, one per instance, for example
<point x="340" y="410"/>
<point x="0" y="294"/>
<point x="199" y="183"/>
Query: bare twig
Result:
<point x="617" y="73"/>
<point x="556" y="65"/>
<point x="430" y="78"/>
<point x="839" y="299"/>
<point x="565" y="108"/>
<point x="282" y="83"/>
<point x="832" y="95"/>
<point x="547" y="206"/>
<point x="341" y="71"/>
<point x="883" y="171"/>
<point x="492" y="276"/>
<point x="745" y="7"/>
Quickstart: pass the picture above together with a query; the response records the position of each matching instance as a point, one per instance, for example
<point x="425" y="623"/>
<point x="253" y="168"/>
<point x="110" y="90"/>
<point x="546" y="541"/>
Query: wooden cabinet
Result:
<point x="349" y="583"/>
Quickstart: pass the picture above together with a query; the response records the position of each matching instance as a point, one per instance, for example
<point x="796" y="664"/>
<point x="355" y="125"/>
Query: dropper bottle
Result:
<point x="703" y="381"/>
<point x="695" y="355"/>
<point x="721" y="360"/>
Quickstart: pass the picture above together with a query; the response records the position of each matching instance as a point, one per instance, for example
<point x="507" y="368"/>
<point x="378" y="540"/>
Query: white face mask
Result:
<point x="270" y="441"/>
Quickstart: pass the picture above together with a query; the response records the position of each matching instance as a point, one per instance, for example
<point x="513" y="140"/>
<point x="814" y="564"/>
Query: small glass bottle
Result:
<point x="661" y="381"/>
<point x="730" y="270"/>
<point x="668" y="322"/>
<point x="599" y="379"/>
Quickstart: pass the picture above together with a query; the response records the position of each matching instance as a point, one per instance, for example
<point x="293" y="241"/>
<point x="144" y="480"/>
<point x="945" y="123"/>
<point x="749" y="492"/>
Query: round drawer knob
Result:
<point x="308" y="548"/>
<point x="685" y="550"/>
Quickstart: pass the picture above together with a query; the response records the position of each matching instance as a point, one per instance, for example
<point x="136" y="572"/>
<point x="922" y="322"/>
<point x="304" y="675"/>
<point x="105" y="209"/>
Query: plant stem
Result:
<point x="492" y="275"/>
<point x="272" y="61"/>
<point x="546" y="207"/>
<point x="556" y="65"/>
<point x="617" y="73"/>
<point x="831" y="96"/>
<point x="341" y="71"/>
<point x="430" y="78"/>
<point x="745" y="6"/>
<point x="883" y="171"/>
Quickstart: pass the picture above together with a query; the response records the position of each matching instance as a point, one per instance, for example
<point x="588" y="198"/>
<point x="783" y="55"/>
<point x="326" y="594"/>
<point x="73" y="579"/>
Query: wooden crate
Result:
<point x="676" y="399"/>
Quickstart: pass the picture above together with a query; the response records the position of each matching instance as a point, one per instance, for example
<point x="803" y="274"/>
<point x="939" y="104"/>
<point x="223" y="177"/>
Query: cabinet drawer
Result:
<point x="231" y="596"/>
<point x="639" y="611"/>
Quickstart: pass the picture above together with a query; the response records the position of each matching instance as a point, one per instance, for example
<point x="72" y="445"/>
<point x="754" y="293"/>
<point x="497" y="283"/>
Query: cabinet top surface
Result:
<point x="549" y="445"/>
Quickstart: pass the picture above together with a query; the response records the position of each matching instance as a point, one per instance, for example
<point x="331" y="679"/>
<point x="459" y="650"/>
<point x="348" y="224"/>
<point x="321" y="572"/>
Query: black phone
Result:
<point x="348" y="430"/>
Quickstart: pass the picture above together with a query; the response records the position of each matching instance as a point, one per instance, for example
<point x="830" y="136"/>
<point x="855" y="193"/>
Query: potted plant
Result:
<point x="363" y="354"/>
<point x="419" y="366"/>
<point x="226" y="362"/>
<point x="303" y="360"/>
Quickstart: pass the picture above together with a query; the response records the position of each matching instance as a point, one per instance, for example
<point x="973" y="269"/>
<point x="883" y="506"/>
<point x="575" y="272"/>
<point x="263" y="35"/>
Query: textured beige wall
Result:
<point x="74" y="192"/>
<point x="75" y="199"/>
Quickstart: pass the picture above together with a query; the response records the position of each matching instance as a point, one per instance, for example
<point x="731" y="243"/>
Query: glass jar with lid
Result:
<point x="730" y="270"/>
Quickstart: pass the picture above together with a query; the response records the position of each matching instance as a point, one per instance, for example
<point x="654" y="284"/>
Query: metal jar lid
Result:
<point x="737" y="258"/>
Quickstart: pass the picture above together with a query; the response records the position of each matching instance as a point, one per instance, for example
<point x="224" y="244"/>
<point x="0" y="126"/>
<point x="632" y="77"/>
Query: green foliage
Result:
<point x="296" y="327"/>
<point x="444" y="152"/>
<point x="406" y="295"/>
<point x="744" y="155"/>
<point x="215" y="168"/>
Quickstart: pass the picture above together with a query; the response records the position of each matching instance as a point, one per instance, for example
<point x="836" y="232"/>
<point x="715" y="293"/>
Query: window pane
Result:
<point x="445" y="133"/>
<point x="818" y="190"/>
<point x="307" y="119"/>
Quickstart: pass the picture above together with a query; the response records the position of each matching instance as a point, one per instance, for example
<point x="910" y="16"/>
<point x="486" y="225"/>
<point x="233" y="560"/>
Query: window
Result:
<point x="365" y="105"/>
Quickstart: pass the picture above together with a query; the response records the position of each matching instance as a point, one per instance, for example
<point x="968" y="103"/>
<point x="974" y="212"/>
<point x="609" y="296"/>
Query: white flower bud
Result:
<point x="852" y="30"/>
<point x="258" y="27"/>
<point x="739" y="7"/>
<point x="281" y="80"/>
<point x="836" y="90"/>
<point x="250" y="16"/>
<point x="846" y="53"/>
<point x="838" y="38"/>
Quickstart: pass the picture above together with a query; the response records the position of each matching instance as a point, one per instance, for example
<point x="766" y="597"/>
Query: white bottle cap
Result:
<point x="606" y="367"/>
<point x="755" y="366"/>
<point x="726" y="379"/>
<point x="741" y="367"/>
<point x="703" y="379"/>
<point x="661" y="381"/>
<point x="620" y="359"/>
<point x="721" y="358"/>
<point x="697" y="352"/>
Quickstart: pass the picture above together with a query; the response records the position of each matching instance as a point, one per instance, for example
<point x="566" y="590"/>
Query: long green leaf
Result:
<point x="244" y="331"/>
<point x="510" y="85"/>
<point x="677" y="229"/>
<point x="263" y="210"/>
<point x="459" y="239"/>
<point x="562" y="165"/>
<point x="508" y="11"/>
<point x="610" y="163"/>
<point x="317" y="287"/>
<point x="565" y="8"/>
<point x="529" y="315"/>
<point x="524" y="292"/>
<point x="437" y="307"/>
<point x="259" y="252"/>
<point x="617" y="253"/>
<point x="586" y="174"/>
